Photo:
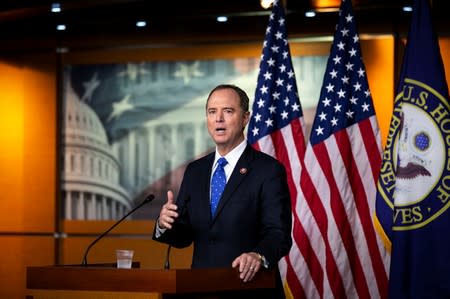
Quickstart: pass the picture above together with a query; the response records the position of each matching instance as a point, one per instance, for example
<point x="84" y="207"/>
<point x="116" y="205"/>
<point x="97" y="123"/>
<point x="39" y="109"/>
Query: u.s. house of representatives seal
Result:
<point x="418" y="148"/>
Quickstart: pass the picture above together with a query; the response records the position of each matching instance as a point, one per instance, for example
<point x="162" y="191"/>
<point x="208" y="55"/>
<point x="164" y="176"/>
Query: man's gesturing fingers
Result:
<point x="168" y="212"/>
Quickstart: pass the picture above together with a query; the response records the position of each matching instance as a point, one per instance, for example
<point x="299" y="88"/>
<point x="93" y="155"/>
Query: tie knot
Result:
<point x="222" y="162"/>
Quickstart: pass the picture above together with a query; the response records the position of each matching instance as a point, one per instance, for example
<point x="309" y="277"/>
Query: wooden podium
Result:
<point x="100" y="281"/>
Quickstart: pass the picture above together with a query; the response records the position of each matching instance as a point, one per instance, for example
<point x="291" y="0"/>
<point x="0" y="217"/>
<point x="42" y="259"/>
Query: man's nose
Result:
<point x="219" y="116"/>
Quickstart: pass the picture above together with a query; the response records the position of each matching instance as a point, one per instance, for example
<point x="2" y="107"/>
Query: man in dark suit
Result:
<point x="248" y="226"/>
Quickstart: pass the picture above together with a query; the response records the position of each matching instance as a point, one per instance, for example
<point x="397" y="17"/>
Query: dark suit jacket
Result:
<point x="254" y="213"/>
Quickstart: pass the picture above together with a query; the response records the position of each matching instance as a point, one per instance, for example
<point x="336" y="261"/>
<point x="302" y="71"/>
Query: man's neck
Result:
<point x="223" y="150"/>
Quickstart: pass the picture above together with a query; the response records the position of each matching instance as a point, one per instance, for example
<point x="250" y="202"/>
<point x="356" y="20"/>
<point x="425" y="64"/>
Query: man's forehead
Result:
<point x="223" y="102"/>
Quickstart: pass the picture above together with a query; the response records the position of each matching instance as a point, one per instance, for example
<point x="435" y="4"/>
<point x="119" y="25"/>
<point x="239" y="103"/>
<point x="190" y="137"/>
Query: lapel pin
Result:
<point x="243" y="170"/>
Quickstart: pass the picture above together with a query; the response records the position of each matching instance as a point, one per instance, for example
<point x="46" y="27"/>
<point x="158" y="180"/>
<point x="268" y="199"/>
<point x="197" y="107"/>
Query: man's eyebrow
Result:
<point x="224" y="108"/>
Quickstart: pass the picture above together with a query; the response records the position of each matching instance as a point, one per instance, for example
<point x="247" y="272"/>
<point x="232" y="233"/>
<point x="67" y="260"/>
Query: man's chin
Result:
<point x="220" y="139"/>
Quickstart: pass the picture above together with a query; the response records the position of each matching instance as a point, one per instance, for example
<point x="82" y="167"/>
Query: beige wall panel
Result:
<point x="40" y="154"/>
<point x="378" y="57"/>
<point x="16" y="253"/>
<point x="12" y="106"/>
<point x="130" y="234"/>
<point x="149" y="253"/>
<point x="28" y="141"/>
<point x="444" y="44"/>
<point x="231" y="50"/>
<point x="97" y="227"/>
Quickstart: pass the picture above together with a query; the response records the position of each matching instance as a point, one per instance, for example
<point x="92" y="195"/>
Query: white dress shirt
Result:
<point x="232" y="158"/>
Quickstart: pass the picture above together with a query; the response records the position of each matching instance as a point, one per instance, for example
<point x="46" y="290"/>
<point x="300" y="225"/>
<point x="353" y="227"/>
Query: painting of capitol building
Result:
<point x="129" y="130"/>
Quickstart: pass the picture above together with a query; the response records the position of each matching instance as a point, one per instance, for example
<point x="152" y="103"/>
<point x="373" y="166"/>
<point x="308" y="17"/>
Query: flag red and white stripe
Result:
<point x="339" y="187"/>
<point x="276" y="128"/>
<point x="342" y="162"/>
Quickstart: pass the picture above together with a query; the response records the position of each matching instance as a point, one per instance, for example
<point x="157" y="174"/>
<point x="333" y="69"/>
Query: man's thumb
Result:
<point x="170" y="196"/>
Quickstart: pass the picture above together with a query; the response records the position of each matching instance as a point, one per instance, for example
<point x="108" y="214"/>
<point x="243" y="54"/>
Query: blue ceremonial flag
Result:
<point x="414" y="182"/>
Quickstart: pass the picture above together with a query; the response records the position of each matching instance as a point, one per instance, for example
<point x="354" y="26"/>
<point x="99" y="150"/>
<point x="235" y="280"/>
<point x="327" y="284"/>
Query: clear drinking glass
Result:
<point x="124" y="258"/>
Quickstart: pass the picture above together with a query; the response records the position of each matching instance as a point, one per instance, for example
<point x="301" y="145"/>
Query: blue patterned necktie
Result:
<point x="218" y="183"/>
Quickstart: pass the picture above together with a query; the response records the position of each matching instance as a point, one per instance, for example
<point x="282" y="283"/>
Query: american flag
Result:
<point x="342" y="163"/>
<point x="276" y="128"/>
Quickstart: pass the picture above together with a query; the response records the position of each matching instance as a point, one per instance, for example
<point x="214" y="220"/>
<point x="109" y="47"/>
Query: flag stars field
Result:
<point x="330" y="88"/>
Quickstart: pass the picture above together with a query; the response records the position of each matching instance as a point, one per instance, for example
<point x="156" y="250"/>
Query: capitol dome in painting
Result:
<point x="90" y="171"/>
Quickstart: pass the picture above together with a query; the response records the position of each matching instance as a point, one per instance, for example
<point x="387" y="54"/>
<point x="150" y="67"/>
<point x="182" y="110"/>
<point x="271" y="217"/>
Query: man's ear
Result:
<point x="246" y="118"/>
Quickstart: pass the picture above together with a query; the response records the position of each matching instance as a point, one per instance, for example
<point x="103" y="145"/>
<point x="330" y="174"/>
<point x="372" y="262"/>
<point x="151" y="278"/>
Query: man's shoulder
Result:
<point x="261" y="156"/>
<point x="266" y="165"/>
<point x="205" y="160"/>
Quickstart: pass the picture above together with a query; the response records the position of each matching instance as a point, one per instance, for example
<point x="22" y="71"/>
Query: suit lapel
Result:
<point x="205" y="182"/>
<point x="241" y="170"/>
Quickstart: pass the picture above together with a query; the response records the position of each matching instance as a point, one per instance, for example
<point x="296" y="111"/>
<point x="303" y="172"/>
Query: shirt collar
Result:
<point x="233" y="156"/>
